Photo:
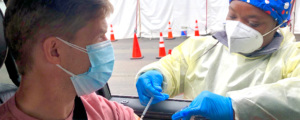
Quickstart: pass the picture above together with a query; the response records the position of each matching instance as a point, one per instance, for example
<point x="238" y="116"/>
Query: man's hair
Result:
<point x="28" y="22"/>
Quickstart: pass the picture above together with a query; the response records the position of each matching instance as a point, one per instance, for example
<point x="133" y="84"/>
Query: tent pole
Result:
<point x="140" y="25"/>
<point x="294" y="14"/>
<point x="206" y="18"/>
<point x="136" y="16"/>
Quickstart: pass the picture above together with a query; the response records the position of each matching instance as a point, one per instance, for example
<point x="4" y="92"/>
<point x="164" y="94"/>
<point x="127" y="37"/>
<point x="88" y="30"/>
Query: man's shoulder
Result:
<point x="5" y="113"/>
<point x="98" y="107"/>
<point x="97" y="100"/>
<point x="9" y="111"/>
<point x="91" y="96"/>
<point x="3" y="110"/>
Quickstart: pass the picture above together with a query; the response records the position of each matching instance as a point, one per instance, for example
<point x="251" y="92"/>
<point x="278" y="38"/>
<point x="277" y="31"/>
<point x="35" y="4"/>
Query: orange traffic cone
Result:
<point x="197" y="29"/>
<point x="162" y="50"/>
<point x="170" y="34"/>
<point x="112" y="35"/>
<point x="136" y="51"/>
<point x="170" y="51"/>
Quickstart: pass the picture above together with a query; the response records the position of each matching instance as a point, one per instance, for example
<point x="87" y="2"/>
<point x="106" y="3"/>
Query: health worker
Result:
<point x="248" y="71"/>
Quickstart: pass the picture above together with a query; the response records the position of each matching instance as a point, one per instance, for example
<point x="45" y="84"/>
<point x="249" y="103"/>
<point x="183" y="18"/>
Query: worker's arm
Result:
<point x="290" y="55"/>
<point x="292" y="62"/>
<point x="278" y="101"/>
<point x="174" y="67"/>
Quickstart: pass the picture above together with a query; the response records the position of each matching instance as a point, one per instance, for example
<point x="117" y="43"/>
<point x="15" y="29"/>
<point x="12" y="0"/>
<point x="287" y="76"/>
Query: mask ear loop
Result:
<point x="274" y="28"/>
<point x="72" y="45"/>
<point x="68" y="72"/>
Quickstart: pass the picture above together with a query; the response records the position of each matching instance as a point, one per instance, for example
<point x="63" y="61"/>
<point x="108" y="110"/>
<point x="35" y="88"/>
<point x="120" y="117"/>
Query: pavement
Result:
<point x="297" y="37"/>
<point x="122" y="81"/>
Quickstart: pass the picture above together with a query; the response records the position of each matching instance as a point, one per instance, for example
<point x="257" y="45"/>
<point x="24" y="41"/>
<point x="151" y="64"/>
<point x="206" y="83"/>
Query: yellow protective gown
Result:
<point x="271" y="91"/>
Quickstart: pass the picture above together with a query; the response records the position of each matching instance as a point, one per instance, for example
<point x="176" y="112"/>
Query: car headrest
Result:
<point x="3" y="45"/>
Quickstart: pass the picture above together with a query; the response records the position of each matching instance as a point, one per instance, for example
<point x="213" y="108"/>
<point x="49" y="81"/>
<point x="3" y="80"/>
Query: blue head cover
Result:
<point x="278" y="9"/>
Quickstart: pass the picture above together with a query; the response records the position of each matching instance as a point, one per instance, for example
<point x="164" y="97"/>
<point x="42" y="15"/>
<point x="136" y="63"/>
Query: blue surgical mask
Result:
<point x="102" y="59"/>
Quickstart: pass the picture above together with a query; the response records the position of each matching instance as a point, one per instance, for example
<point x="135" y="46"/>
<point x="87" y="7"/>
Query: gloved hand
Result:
<point x="149" y="85"/>
<point x="208" y="105"/>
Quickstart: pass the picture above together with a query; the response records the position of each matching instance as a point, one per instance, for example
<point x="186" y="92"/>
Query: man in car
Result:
<point x="250" y="62"/>
<point x="61" y="51"/>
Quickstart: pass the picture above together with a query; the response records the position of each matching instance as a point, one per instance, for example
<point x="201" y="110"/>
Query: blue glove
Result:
<point x="149" y="85"/>
<point x="208" y="105"/>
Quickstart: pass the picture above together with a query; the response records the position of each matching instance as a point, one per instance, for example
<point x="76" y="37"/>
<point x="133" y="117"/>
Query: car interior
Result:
<point x="160" y="111"/>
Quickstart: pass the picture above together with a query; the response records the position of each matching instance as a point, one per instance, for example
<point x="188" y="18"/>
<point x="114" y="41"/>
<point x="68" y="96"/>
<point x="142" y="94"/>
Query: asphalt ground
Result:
<point x="122" y="81"/>
<point x="123" y="78"/>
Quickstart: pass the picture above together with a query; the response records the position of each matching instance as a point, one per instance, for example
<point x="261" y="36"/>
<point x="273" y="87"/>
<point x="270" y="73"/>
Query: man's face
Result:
<point x="76" y="61"/>
<point x="253" y="17"/>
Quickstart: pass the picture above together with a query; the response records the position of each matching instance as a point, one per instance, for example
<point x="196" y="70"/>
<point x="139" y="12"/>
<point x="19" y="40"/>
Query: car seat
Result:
<point x="6" y="90"/>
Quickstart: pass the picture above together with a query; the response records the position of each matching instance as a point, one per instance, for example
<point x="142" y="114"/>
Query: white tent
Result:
<point x="152" y="16"/>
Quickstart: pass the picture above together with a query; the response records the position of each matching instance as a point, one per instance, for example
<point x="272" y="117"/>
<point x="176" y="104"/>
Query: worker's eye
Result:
<point x="232" y="17"/>
<point x="254" y="24"/>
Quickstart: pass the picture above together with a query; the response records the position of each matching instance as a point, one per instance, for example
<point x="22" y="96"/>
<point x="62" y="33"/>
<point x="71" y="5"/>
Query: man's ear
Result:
<point x="51" y="50"/>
